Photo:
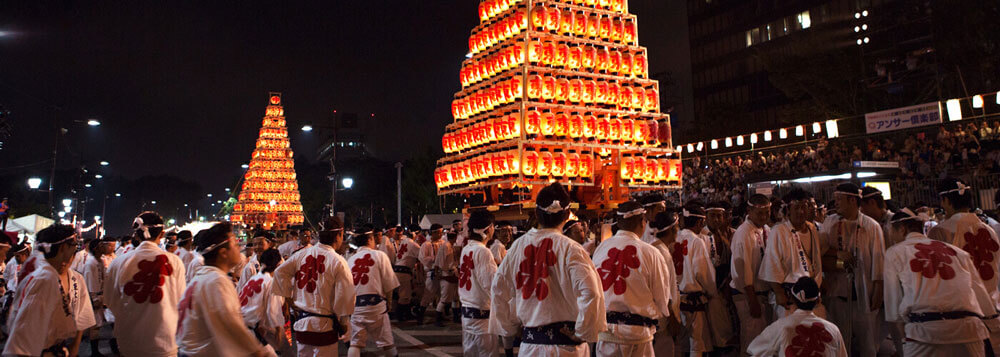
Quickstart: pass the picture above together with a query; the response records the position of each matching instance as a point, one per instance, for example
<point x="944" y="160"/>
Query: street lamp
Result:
<point x="245" y="166"/>
<point x="347" y="182"/>
<point x="34" y="183"/>
<point x="118" y="195"/>
<point x="209" y="195"/>
<point x="105" y="163"/>
<point x="67" y="202"/>
<point x="307" y="128"/>
<point x="98" y="176"/>
<point x="93" y="122"/>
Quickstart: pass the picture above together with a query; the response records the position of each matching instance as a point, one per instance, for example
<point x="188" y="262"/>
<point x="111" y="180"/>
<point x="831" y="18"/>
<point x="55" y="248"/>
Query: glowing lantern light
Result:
<point x="575" y="90"/>
<point x="604" y="27"/>
<point x="767" y="135"/>
<point x="639" y="65"/>
<point x="714" y="144"/>
<point x="539" y="18"/>
<point x="640" y="132"/>
<point x="590" y="127"/>
<point x="561" y="125"/>
<point x="549" y="88"/>
<point x="625" y="168"/>
<point x="816" y="128"/>
<point x="558" y="163"/>
<point x="575" y="57"/>
<point x="625" y="96"/>
<point x="566" y="23"/>
<point x="652" y="103"/>
<point x="552" y="18"/>
<point x="800" y="130"/>
<point x="753" y="138"/>
<point x="532" y="123"/>
<point x="562" y="55"/>
<point x="617" y="28"/>
<point x="603" y="132"/>
<point x="589" y="57"/>
<point x="649" y="174"/>
<point x="662" y="168"/>
<point x="580" y="23"/>
<point x="548" y="125"/>
<point x="729" y="142"/>
<point x="589" y="91"/>
<point x="638" y="98"/>
<point x="530" y="163"/>
<point x="535" y="86"/>
<point x="690" y="148"/>
<point x="664" y="133"/>
<point x="601" y="92"/>
<point x="586" y="168"/>
<point x="625" y="130"/>
<point x="593" y="26"/>
<point x="954" y="111"/>
<point x="576" y="127"/>
<point x="701" y="145"/>
<point x="831" y="129"/>
<point x="544" y="163"/>
<point x="572" y="164"/>
<point x="652" y="135"/>
<point x="603" y="60"/>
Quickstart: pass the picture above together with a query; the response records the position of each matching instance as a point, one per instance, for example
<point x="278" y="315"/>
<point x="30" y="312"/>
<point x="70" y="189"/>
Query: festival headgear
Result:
<point x="664" y="203"/>
<point x="848" y="189"/>
<point x="482" y="231"/>
<point x="801" y="288"/>
<point x="715" y="209"/>
<point x="872" y="192"/>
<point x="661" y="219"/>
<point x="215" y="246"/>
<point x="632" y="213"/>
<point x="960" y="187"/>
<point x="20" y="248"/>
<point x="906" y="214"/>
<point x="138" y="224"/>
<point x="686" y="213"/>
<point x="46" y="247"/>
<point x="554" y="207"/>
<point x="767" y="205"/>
<point x="569" y="225"/>
<point x="436" y="227"/>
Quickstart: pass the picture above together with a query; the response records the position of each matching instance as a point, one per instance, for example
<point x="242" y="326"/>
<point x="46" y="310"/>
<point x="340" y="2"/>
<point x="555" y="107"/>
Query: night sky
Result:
<point x="180" y="87"/>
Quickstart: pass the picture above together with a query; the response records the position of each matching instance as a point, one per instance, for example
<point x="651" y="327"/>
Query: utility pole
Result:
<point x="399" y="193"/>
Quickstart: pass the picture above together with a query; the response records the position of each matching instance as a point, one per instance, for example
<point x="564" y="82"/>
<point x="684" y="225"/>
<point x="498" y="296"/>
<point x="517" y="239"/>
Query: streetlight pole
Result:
<point x="399" y="193"/>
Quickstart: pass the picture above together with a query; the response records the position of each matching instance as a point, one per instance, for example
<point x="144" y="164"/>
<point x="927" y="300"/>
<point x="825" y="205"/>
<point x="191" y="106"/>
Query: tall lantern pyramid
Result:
<point x="557" y="90"/>
<point x="270" y="192"/>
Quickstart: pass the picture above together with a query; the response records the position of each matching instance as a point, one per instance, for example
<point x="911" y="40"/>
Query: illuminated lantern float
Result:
<point x="270" y="193"/>
<point x="556" y="91"/>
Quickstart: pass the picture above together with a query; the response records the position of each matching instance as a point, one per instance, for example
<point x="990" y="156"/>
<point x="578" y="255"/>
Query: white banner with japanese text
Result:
<point x="903" y="118"/>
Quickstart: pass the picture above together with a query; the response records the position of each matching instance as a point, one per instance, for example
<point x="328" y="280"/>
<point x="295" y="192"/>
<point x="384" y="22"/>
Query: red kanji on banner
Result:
<point x="146" y="284"/>
<point x="253" y="287"/>
<point x="680" y="250"/>
<point x="402" y="251"/>
<point x="809" y="341"/>
<point x="534" y="269"/>
<point x="981" y="247"/>
<point x="933" y="258"/>
<point x="617" y="267"/>
<point x="465" y="272"/>
<point x="309" y="271"/>
<point x="185" y="305"/>
<point x="361" y="268"/>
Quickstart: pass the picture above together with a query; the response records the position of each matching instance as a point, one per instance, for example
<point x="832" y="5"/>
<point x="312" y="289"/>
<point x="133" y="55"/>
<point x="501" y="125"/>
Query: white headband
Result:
<point x="873" y="194"/>
<point x="716" y="209"/>
<point x="848" y="193"/>
<point x="961" y="189"/>
<point x="46" y="247"/>
<point x="482" y="231"/>
<point x="554" y="207"/>
<point x="215" y="246"/>
<point x="801" y="296"/>
<point x="655" y="231"/>
<point x="655" y="203"/>
<point x="768" y="205"/>
<point x="686" y="213"/>
<point x="632" y="213"/>
<point x="144" y="227"/>
<point x="911" y="215"/>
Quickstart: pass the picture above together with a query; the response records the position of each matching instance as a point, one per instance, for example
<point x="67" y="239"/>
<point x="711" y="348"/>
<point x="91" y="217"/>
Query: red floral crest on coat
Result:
<point x="680" y="251"/>
<point x="252" y="288"/>
<point x="809" y="341"/>
<point x="402" y="251"/>
<point x="185" y="305"/>
<point x="932" y="259"/>
<point x="309" y="271"/>
<point x="361" y="268"/>
<point x="534" y="268"/>
<point x="617" y="267"/>
<point x="146" y="284"/>
<point x="465" y="272"/>
<point x="981" y="247"/>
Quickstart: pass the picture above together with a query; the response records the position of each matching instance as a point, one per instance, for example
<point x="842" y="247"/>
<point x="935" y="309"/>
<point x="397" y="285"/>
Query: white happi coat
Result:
<point x="801" y="333"/>
<point x="319" y="281"/>
<point x="79" y="260"/>
<point x="790" y="255"/>
<point x="675" y="295"/>
<point x="390" y="247"/>
<point x="549" y="278"/>
<point x="290" y="247"/>
<point x="408" y="253"/>
<point x="429" y="252"/>
<point x="862" y="238"/>
<point x="475" y="277"/>
<point x="259" y="304"/>
<point x="695" y="271"/>
<point x="249" y="270"/>
<point x="498" y="250"/>
<point x="635" y="280"/>
<point x="142" y="290"/>
<point x="924" y="275"/>
<point x="10" y="274"/>
<point x="968" y="232"/>
<point x="40" y="317"/>
<point x="210" y="319"/>
<point x="192" y="266"/>
<point x="95" y="272"/>
<point x="748" y="254"/>
<point x="372" y="274"/>
<point x="185" y="255"/>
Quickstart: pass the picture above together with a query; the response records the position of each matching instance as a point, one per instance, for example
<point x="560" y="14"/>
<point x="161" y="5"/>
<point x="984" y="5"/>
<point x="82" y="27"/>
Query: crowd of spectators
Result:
<point x="939" y="151"/>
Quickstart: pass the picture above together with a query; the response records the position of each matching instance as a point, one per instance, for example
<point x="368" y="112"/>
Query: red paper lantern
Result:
<point x="638" y="168"/>
<point x="594" y="26"/>
<point x="590" y="127"/>
<point x="552" y="19"/>
<point x="548" y="53"/>
<point x="638" y="98"/>
<point x="628" y="131"/>
<point x="615" y="130"/>
<point x="535" y="50"/>
<point x="520" y="20"/>
<point x="652" y="100"/>
<point x="562" y="89"/>
<point x="561" y="125"/>
<point x="625" y="167"/>
<point x="630" y="33"/>
<point x="576" y="126"/>
<point x="649" y="174"/>
<point x="558" y="163"/>
<point x="604" y="29"/>
<point x="625" y="96"/>
<point x="640" y="132"/>
<point x="562" y="55"/>
<point x="603" y="58"/>
<point x="589" y="91"/>
<point x="514" y="123"/>
<point x="539" y="17"/>
<point x="617" y="28"/>
<point x="639" y="66"/>
<point x="572" y="164"/>
<point x="603" y="131"/>
<point x="574" y="58"/>
<point x="601" y="92"/>
<point x="575" y="90"/>
<point x="532" y="122"/>
<point x="663" y="133"/>
<point x="530" y="165"/>
<point x="586" y="168"/>
<point x="625" y="65"/>
<point x="548" y="123"/>
<point x="589" y="57"/>
<point x="580" y="23"/>
<point x="548" y="87"/>
<point x="614" y="90"/>
<point x="516" y="88"/>
<point x="544" y="163"/>
<point x="652" y="133"/>
<point x="614" y="61"/>
<point x="535" y="86"/>
<point x="566" y="22"/>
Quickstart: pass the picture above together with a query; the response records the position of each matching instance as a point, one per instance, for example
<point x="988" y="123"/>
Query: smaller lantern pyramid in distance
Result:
<point x="270" y="192"/>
